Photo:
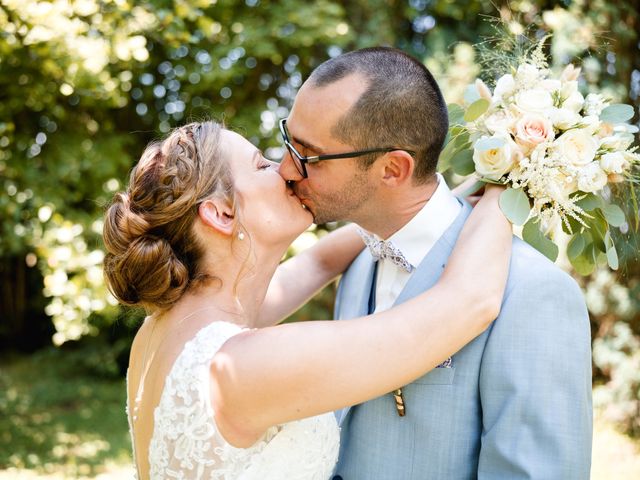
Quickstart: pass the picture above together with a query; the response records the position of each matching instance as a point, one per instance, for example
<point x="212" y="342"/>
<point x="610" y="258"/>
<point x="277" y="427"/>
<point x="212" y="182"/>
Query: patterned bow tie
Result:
<point x="385" y="249"/>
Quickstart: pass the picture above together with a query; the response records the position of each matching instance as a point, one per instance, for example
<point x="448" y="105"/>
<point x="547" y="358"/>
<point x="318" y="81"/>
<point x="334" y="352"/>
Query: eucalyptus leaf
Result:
<point x="488" y="143"/>
<point x="612" y="258"/>
<point x="476" y="109"/>
<point x="456" y="114"/>
<point x="590" y="202"/>
<point x="576" y="246"/>
<point x="585" y="263"/>
<point x="598" y="227"/>
<point x="613" y="214"/>
<point x="617" y="113"/>
<point x="515" y="205"/>
<point x="462" y="163"/>
<point x="533" y="236"/>
<point x="612" y="254"/>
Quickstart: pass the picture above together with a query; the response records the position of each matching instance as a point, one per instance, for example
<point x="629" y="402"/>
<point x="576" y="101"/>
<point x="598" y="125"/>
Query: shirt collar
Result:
<point x="418" y="236"/>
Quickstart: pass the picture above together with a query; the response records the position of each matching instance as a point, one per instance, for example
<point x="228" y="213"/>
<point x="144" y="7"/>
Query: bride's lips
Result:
<point x="291" y="193"/>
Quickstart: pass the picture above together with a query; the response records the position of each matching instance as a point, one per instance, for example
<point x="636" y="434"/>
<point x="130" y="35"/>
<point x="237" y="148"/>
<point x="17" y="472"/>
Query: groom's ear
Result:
<point x="217" y="213"/>
<point x="397" y="168"/>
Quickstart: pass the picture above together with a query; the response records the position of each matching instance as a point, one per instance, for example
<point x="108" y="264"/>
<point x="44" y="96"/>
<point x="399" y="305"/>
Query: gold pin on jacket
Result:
<point x="399" y="398"/>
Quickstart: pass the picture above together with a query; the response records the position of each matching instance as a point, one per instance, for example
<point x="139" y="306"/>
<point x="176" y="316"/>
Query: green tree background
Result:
<point x="85" y="84"/>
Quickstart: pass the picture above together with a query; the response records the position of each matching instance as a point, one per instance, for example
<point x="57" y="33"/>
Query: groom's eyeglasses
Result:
<point x="301" y="161"/>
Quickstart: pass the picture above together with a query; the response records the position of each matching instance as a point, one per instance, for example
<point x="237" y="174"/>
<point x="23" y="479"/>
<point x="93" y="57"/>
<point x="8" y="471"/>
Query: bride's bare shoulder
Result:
<point x="140" y="339"/>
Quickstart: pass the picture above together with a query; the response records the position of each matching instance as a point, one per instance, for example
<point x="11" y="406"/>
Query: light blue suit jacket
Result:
<point x="516" y="402"/>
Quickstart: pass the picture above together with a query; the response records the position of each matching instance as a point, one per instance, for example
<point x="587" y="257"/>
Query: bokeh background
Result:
<point x="85" y="84"/>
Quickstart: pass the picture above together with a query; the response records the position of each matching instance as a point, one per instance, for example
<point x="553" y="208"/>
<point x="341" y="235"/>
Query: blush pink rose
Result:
<point x="532" y="130"/>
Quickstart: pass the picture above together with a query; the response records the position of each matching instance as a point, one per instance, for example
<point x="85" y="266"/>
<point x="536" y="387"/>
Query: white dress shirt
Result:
<point x="415" y="240"/>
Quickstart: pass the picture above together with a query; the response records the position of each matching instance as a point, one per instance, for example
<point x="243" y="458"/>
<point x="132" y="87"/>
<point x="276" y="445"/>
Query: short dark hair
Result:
<point x="401" y="107"/>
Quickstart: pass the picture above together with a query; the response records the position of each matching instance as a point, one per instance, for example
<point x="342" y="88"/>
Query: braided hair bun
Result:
<point x="153" y="255"/>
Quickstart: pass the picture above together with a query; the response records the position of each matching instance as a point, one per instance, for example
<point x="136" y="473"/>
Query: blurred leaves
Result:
<point x="84" y="85"/>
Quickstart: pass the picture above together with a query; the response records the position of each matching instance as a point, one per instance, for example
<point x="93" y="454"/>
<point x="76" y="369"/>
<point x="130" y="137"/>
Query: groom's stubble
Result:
<point x="348" y="203"/>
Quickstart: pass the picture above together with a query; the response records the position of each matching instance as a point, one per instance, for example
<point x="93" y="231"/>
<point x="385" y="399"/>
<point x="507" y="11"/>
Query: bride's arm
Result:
<point x="300" y="277"/>
<point x="278" y="374"/>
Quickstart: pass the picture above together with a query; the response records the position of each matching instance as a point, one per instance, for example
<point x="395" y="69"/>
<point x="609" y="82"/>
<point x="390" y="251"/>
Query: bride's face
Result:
<point x="269" y="211"/>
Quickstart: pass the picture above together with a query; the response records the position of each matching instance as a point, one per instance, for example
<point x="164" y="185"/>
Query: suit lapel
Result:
<point x="355" y="286"/>
<point x="356" y="289"/>
<point x="431" y="267"/>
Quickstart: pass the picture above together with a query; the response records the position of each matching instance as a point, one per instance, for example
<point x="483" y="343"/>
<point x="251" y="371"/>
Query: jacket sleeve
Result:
<point x="535" y="382"/>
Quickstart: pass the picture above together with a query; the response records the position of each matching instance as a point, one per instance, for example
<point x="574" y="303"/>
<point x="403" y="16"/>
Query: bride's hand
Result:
<point x="476" y="194"/>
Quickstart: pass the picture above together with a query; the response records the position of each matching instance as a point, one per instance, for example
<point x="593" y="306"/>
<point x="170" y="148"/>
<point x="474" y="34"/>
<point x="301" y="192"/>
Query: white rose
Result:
<point x="592" y="178"/>
<point x="564" y="118"/>
<point x="535" y="100"/>
<point x="551" y="85"/>
<point x="620" y="141"/>
<point x="574" y="102"/>
<point x="614" y="162"/>
<point x="577" y="146"/>
<point x="500" y="122"/>
<point x="532" y="130"/>
<point x="527" y="74"/>
<point x="504" y="87"/>
<point x="591" y="124"/>
<point x="495" y="162"/>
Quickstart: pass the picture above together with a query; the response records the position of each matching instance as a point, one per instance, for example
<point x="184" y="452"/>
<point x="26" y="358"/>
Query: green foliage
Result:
<point x="515" y="205"/>
<point x="533" y="236"/>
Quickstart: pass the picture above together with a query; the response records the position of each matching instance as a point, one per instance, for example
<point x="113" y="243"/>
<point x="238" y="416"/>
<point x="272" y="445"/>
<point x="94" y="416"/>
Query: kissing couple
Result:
<point x="457" y="350"/>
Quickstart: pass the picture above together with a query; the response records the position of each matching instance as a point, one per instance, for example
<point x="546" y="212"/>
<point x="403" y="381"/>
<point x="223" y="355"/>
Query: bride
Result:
<point x="215" y="390"/>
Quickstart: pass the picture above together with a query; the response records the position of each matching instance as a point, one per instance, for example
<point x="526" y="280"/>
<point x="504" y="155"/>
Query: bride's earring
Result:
<point x="241" y="236"/>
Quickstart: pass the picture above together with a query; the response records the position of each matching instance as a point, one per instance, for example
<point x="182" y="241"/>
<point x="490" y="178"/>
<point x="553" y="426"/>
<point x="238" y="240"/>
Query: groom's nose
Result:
<point x="288" y="169"/>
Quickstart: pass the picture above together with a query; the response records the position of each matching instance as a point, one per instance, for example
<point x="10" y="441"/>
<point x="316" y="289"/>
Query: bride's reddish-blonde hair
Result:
<point x="153" y="255"/>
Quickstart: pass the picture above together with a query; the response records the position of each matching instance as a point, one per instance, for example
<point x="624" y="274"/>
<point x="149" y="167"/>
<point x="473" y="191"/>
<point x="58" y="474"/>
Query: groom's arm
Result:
<point x="535" y="381"/>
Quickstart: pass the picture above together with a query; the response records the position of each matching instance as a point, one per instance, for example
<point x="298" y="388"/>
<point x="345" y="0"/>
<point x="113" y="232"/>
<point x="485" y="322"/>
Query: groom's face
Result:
<point x="334" y="189"/>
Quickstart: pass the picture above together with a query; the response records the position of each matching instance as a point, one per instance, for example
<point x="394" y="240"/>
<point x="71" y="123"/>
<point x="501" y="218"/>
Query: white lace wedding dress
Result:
<point x="187" y="445"/>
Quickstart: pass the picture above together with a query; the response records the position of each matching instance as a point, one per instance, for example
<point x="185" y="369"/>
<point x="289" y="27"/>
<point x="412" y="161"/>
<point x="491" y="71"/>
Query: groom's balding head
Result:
<point x="401" y="106"/>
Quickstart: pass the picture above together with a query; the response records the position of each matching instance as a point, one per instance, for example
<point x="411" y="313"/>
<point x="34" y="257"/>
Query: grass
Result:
<point x="58" y="420"/>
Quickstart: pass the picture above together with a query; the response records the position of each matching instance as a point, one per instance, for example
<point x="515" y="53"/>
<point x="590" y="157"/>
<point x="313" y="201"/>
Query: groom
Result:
<point x="363" y="139"/>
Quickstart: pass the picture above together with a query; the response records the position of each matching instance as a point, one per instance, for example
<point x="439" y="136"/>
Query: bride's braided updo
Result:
<point x="153" y="254"/>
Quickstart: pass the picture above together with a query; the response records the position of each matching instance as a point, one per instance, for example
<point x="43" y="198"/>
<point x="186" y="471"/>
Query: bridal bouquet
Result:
<point x="557" y="152"/>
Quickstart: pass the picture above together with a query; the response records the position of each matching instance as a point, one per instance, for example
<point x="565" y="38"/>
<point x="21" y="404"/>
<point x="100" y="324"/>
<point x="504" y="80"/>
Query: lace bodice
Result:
<point x="187" y="445"/>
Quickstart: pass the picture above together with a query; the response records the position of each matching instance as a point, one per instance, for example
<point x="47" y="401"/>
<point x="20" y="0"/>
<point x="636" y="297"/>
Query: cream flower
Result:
<point x="574" y="102"/>
<point x="551" y="85"/>
<point x="592" y="178"/>
<point x="535" y="100"/>
<point x="570" y="73"/>
<point x="483" y="90"/>
<point x="495" y="162"/>
<point x="617" y="141"/>
<point x="532" y="130"/>
<point x="563" y="118"/>
<point x="577" y="146"/>
<point x="527" y="74"/>
<point x="614" y="162"/>
<point x="560" y="186"/>
<point x="500" y="122"/>
<point x="505" y="86"/>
